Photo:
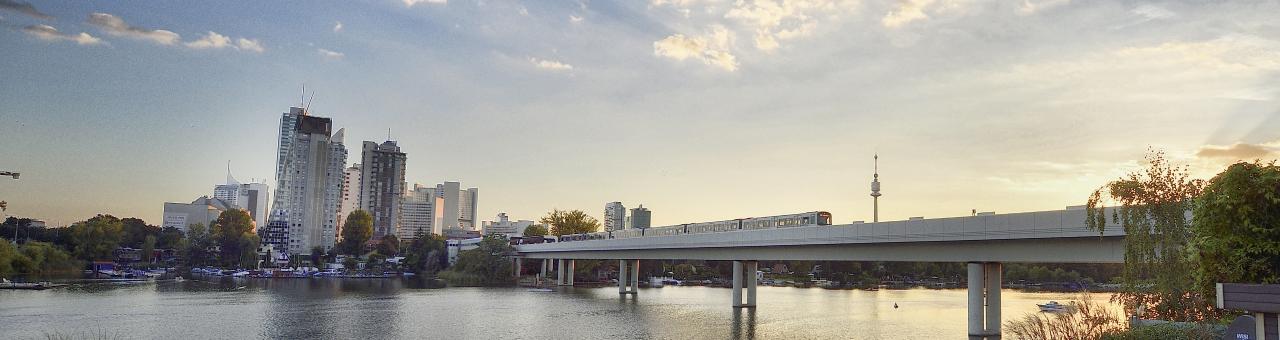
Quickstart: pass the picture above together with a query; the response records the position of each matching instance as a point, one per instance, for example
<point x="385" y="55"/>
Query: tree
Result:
<point x="357" y="230"/>
<point x="136" y="231"/>
<point x="1153" y="210"/>
<point x="570" y="222"/>
<point x="488" y="262"/>
<point x="317" y="256"/>
<point x="389" y="245"/>
<point x="426" y="254"/>
<point x="169" y="238"/>
<point x="96" y="237"/>
<point x="1237" y="227"/>
<point x="148" y="247"/>
<point x="536" y="230"/>
<point x="233" y="232"/>
<point x="197" y="246"/>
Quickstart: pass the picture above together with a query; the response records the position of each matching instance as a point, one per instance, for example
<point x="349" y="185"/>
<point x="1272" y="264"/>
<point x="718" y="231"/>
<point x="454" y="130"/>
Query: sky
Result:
<point x="700" y="110"/>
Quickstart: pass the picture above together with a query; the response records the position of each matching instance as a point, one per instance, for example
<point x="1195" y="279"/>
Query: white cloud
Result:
<point x="213" y="40"/>
<point x="1153" y="12"/>
<point x="410" y="3"/>
<point x="906" y="12"/>
<point x="1036" y="6"/>
<point x="251" y="45"/>
<point x="46" y="32"/>
<point x="337" y="26"/>
<point x="575" y="19"/>
<point x="712" y="49"/>
<point x="524" y="11"/>
<point x="550" y="64"/>
<point x="115" y="26"/>
<point x="330" y="55"/>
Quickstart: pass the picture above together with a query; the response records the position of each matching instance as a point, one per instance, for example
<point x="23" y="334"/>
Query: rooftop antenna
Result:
<point x="875" y="189"/>
<point x="388" y="134"/>
<point x="302" y="101"/>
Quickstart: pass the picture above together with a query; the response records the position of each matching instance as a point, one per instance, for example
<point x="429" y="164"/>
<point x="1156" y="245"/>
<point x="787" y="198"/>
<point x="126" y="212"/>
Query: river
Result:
<point x="378" y="309"/>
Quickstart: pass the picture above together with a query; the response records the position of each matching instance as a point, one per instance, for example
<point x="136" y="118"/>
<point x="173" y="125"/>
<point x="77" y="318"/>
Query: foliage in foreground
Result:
<point x="1237" y="228"/>
<point x="1086" y="320"/>
<point x="1163" y="332"/>
<point x="487" y="265"/>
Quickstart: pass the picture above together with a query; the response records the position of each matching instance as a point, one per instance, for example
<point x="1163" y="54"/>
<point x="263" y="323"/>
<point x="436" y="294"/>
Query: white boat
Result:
<point x="1054" y="307"/>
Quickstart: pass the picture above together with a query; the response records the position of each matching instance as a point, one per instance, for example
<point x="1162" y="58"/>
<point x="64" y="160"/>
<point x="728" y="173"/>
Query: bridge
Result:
<point x="984" y="242"/>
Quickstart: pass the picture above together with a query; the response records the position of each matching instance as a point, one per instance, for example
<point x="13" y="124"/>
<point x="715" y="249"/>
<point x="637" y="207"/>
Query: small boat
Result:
<point x="541" y="290"/>
<point x="1054" y="307"/>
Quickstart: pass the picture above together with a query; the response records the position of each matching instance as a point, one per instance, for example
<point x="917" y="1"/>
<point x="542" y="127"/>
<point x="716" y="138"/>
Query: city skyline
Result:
<point x="971" y="105"/>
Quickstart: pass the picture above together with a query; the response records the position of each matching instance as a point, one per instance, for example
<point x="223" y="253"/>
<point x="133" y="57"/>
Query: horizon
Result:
<point x="699" y="110"/>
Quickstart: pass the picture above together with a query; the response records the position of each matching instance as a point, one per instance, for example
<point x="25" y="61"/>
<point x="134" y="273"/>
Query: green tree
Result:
<point x="389" y="245"/>
<point x="233" y="232"/>
<point x="317" y="256"/>
<point x="97" y="237"/>
<point x="426" y="254"/>
<point x="136" y="231"/>
<point x="350" y="263"/>
<point x="169" y="238"/>
<point x="536" y="230"/>
<point x="148" y="247"/>
<point x="357" y="230"/>
<point x="197" y="244"/>
<point x="570" y="222"/>
<point x="1153" y="207"/>
<point x="1237" y="227"/>
<point x="488" y="263"/>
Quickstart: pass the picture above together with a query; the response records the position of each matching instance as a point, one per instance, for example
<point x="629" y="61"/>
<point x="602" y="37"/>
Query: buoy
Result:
<point x="895" y="305"/>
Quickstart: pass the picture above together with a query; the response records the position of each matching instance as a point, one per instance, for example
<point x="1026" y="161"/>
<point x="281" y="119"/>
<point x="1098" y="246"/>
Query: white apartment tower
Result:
<point x="614" y="216"/>
<point x="309" y="178"/>
<point x="350" y="195"/>
<point x="382" y="186"/>
<point x="420" y="213"/>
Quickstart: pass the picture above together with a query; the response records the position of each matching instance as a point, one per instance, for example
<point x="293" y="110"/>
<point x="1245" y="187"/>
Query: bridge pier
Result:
<point x="628" y="275"/>
<point x="744" y="274"/>
<point x="568" y="272"/>
<point x="984" y="300"/>
<point x="517" y="270"/>
<point x="560" y="272"/>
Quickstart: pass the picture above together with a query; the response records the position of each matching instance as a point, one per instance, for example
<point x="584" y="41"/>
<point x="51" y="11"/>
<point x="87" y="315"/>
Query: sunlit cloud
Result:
<point x="213" y="40"/>
<point x="1241" y="151"/>
<point x="337" y="26"/>
<point x="49" y="33"/>
<point x="906" y="12"/>
<point x="115" y="26"/>
<point x="712" y="49"/>
<point x="410" y="3"/>
<point x="330" y="55"/>
<point x="550" y="64"/>
<point x="24" y="8"/>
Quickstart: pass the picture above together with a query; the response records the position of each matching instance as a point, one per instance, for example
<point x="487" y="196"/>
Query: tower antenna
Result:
<point x="306" y="110"/>
<point x="875" y="189"/>
<point x="302" y="101"/>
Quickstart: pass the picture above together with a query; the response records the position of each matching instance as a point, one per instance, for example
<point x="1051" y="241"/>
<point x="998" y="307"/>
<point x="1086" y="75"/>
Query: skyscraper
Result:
<point x="309" y="176"/>
<point x="350" y="195"/>
<point x="251" y="197"/>
<point x="421" y="213"/>
<point x="382" y="185"/>
<point x="614" y="216"/>
<point x="459" y="206"/>
<point x="640" y="217"/>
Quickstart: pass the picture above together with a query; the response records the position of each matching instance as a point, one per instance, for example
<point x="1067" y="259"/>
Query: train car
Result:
<point x="815" y="218"/>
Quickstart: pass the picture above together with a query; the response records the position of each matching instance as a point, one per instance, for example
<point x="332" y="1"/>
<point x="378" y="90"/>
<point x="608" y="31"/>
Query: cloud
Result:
<point x="337" y="26"/>
<point x="330" y="55"/>
<point x="24" y="8"/>
<point x="907" y="12"/>
<point x="215" y="41"/>
<point x="1153" y="12"/>
<point x="410" y="3"/>
<point x="575" y="19"/>
<point x="1241" y="151"/>
<point x="550" y="64"/>
<point x="1032" y="7"/>
<point x="46" y="32"/>
<point x="115" y="26"/>
<point x="712" y="49"/>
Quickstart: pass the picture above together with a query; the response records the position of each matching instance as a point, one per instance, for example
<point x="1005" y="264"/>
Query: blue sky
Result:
<point x="699" y="109"/>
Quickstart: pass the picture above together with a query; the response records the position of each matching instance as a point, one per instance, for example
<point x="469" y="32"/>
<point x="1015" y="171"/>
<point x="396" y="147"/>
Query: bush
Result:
<point x="1163" y="331"/>
<point x="1085" y="320"/>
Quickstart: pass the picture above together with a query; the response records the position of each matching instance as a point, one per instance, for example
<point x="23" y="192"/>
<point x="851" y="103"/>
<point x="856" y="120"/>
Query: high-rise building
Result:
<point x="350" y="200"/>
<point x="421" y="213"/>
<point x="459" y="206"/>
<point x="640" y="217"/>
<point x="505" y="226"/>
<point x="203" y="210"/>
<point x="382" y="185"/>
<point x="309" y="175"/>
<point x="251" y="197"/>
<point x="614" y="216"/>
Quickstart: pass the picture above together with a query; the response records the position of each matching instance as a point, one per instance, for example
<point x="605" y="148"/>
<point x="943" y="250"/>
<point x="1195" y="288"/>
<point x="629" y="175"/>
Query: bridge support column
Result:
<point x="744" y="276"/>
<point x="750" y="273"/>
<point x="517" y="268"/>
<point x="560" y="272"/>
<point x="737" y="284"/>
<point x="628" y="276"/>
<point x="543" y="273"/>
<point x="984" y="300"/>
<point x="569" y="272"/>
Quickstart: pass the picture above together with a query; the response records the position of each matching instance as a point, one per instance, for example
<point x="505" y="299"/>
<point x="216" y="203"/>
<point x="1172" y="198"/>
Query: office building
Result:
<point x="505" y="226"/>
<point x="203" y="210"/>
<point x="459" y="207"/>
<point x="640" y="218"/>
<point x="309" y="177"/>
<point x="614" y="216"/>
<point x="251" y="197"/>
<point x="421" y="213"/>
<point x="382" y="185"/>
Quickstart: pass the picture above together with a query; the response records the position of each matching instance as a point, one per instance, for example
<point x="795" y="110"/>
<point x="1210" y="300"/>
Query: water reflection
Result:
<point x="744" y="318"/>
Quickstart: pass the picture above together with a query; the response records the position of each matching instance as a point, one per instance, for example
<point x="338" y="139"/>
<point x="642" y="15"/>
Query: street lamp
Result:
<point x="4" y="206"/>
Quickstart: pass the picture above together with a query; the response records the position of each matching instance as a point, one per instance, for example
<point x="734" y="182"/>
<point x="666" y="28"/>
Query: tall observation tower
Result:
<point x="875" y="190"/>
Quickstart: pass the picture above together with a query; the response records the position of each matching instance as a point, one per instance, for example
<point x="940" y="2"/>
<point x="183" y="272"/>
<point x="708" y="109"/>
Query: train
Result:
<point x="815" y="218"/>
